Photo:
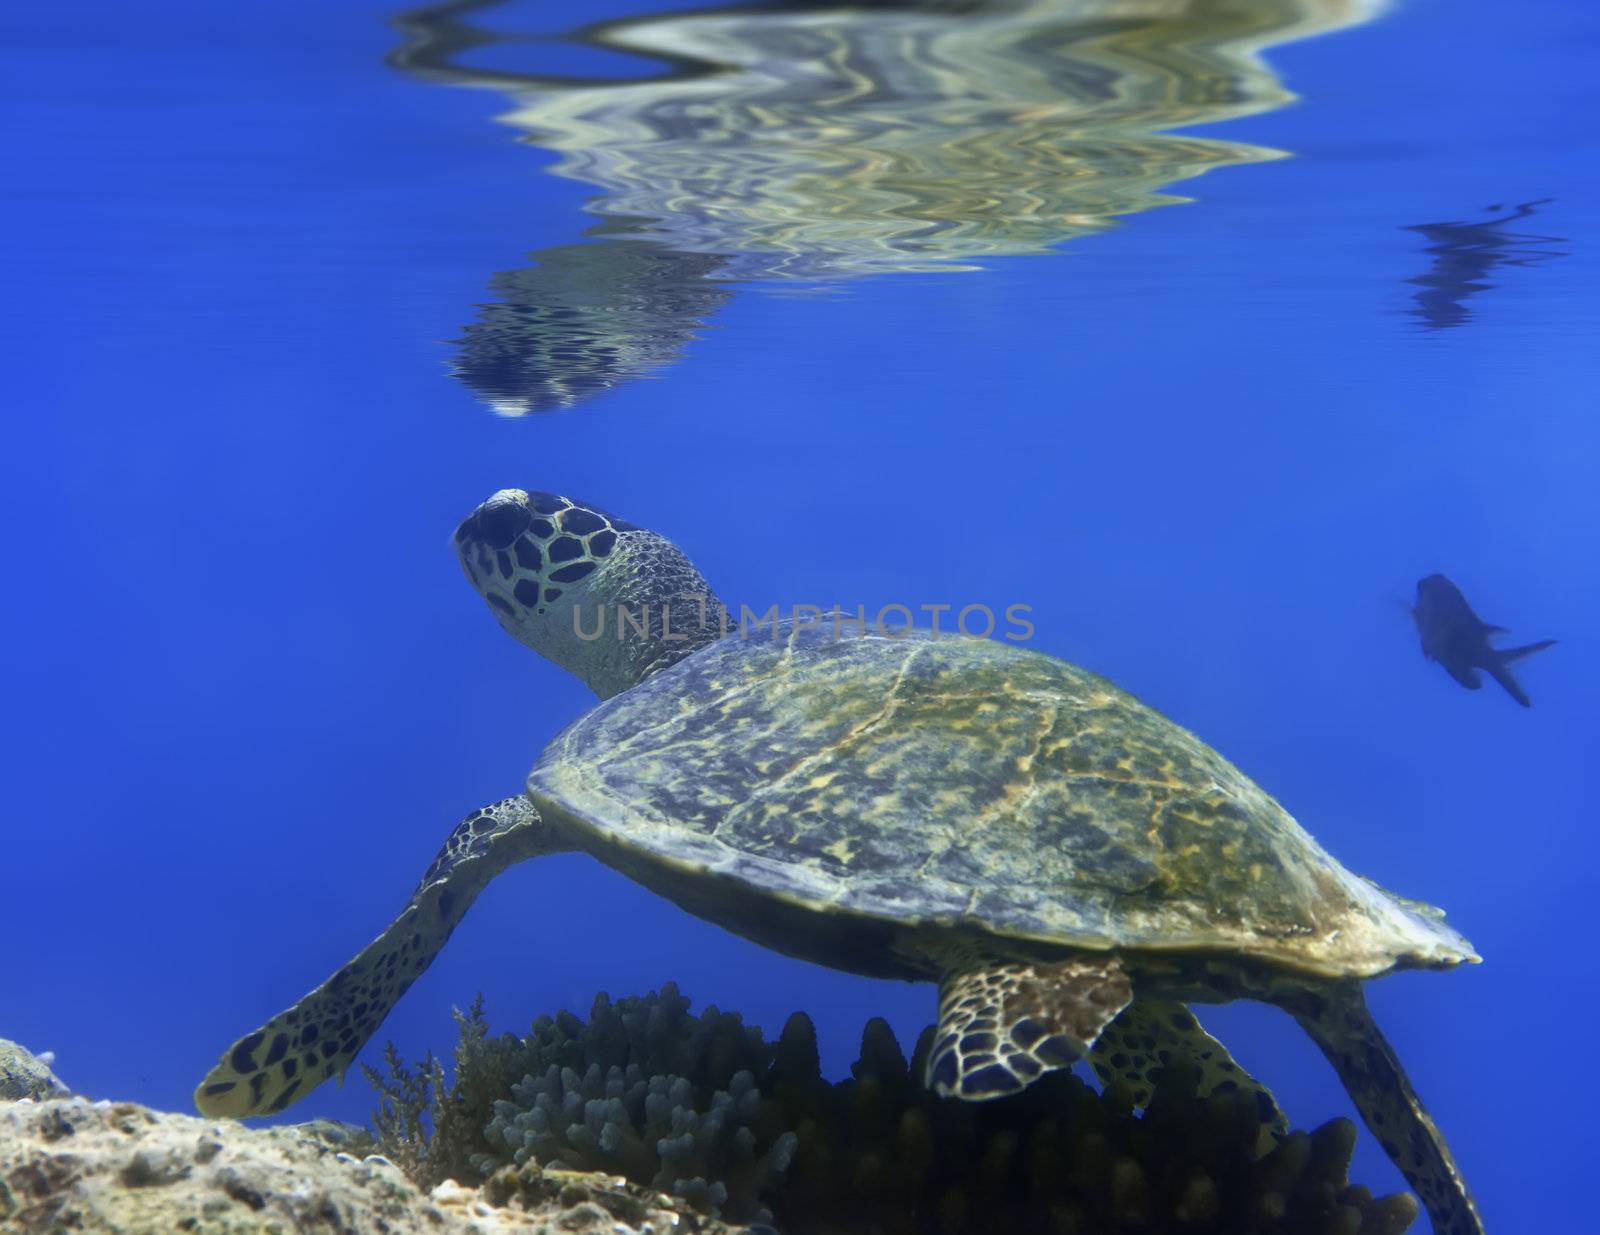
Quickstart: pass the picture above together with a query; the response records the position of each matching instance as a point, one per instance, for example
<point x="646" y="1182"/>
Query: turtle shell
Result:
<point x="953" y="783"/>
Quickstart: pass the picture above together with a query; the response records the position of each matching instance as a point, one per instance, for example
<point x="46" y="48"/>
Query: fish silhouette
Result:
<point x="1458" y="638"/>
<point x="1465" y="253"/>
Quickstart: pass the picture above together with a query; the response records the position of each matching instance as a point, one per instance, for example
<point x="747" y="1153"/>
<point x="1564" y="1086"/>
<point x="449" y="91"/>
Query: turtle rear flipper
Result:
<point x="1335" y="1015"/>
<point x="1002" y="1026"/>
<point x="294" y="1052"/>
<point x="1151" y="1034"/>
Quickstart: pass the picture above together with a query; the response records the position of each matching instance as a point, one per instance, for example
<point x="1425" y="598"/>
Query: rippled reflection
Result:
<point x="587" y="318"/>
<point x="1465" y="253"/>
<point x="801" y="141"/>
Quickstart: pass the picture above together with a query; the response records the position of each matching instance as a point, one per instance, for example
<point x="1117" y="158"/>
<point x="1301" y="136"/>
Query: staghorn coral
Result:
<point x="705" y="1108"/>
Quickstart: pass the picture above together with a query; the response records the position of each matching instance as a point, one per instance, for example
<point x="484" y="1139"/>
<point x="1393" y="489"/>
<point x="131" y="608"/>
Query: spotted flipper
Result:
<point x="265" y="1071"/>
<point x="1003" y="1026"/>
<point x="1152" y="1033"/>
<point x="1336" y="1017"/>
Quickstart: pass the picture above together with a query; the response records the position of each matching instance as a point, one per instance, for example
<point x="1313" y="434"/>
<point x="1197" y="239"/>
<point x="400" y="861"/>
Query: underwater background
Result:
<point x="284" y="305"/>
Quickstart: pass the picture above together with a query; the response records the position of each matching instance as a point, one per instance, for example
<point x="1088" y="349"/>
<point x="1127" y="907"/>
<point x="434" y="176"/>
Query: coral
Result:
<point x="705" y="1108"/>
<point x="643" y="1089"/>
<point x="26" y="1075"/>
<point x="879" y="1153"/>
<point x="433" y="1129"/>
<point x="115" y="1168"/>
<point x="627" y="1209"/>
<point x="648" y="1128"/>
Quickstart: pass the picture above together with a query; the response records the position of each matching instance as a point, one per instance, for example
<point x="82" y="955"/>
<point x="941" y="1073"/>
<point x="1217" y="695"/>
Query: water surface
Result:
<point x="1259" y="323"/>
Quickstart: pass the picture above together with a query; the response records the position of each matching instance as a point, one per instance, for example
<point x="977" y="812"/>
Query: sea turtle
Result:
<point x="1071" y="867"/>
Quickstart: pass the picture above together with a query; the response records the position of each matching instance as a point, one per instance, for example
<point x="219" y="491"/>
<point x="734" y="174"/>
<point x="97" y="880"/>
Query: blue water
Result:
<point x="1213" y="446"/>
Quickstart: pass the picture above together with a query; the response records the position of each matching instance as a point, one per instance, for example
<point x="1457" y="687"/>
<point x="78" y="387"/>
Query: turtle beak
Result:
<point x="481" y="542"/>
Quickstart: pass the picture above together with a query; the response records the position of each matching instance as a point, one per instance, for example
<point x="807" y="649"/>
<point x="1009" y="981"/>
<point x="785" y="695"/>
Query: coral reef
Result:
<point x="643" y="1089"/>
<point x="108" y="1168"/>
<point x="705" y="1108"/>
<point x="879" y="1153"/>
<point x="26" y="1075"/>
<point x="647" y="1128"/>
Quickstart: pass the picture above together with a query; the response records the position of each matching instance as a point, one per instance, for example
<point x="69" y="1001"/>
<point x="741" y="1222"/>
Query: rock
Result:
<point x="116" y="1168"/>
<point x="26" y="1075"/>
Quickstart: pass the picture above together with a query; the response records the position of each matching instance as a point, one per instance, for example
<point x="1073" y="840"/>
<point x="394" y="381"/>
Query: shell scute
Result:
<point x="959" y="783"/>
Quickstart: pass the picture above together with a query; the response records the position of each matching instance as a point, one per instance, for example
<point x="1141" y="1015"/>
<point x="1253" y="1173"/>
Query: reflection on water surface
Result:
<point x="587" y="318"/>
<point x="1465" y="253"/>
<point x="819" y="143"/>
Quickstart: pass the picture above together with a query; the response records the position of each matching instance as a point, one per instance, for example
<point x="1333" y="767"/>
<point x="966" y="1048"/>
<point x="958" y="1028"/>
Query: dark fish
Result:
<point x="1458" y="639"/>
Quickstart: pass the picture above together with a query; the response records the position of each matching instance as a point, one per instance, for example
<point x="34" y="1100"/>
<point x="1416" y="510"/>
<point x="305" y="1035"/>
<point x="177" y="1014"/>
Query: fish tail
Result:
<point x="1508" y="655"/>
<point x="1499" y="671"/>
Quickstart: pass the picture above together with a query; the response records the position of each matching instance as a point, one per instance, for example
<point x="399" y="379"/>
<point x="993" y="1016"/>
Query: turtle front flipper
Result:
<point x="280" y="1063"/>
<point x="1336" y="1017"/>
<point x="1152" y="1033"/>
<point x="1002" y="1026"/>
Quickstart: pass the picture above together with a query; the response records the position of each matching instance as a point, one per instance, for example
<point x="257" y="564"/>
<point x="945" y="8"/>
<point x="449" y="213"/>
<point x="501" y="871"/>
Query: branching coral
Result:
<point x="643" y="1090"/>
<point x="879" y="1153"/>
<point x="432" y="1127"/>
<point x="705" y="1108"/>
<point x="648" y="1128"/>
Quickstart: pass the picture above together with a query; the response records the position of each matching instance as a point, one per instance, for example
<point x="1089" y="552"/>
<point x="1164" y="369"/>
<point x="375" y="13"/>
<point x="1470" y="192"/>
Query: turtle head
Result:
<point x="597" y="595"/>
